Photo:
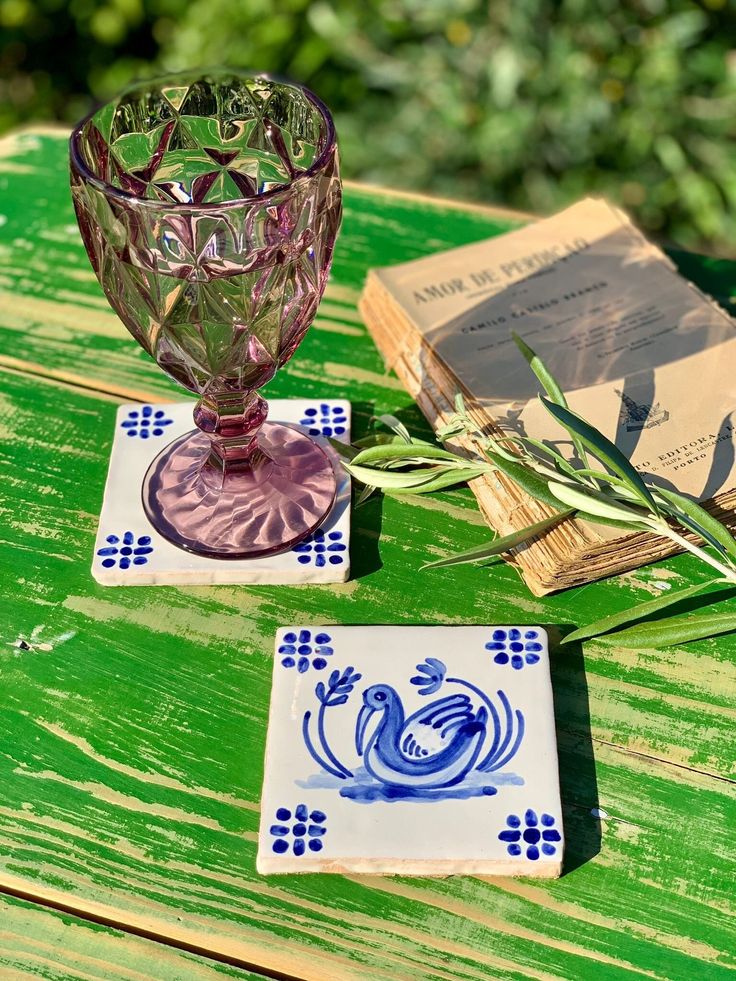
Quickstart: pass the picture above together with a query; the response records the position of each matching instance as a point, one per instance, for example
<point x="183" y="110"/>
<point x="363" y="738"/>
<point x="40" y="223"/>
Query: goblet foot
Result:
<point x="262" y="508"/>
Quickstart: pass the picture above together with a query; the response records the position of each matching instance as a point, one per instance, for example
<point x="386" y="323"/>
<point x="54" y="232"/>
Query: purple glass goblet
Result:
<point x="209" y="204"/>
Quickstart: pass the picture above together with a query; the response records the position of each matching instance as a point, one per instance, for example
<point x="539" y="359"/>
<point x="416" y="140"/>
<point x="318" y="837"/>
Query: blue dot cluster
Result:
<point x="527" y="835"/>
<point x="321" y="548"/>
<point x="146" y="423"/>
<point x="126" y="552"/>
<point x="297" y="649"/>
<point x="509" y="645"/>
<point x="327" y="420"/>
<point x="307" y="830"/>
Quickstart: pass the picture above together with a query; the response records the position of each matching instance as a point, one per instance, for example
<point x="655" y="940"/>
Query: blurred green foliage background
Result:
<point x="527" y="103"/>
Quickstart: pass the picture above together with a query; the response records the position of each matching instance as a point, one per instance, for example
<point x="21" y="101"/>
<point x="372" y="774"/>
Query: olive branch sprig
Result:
<point x="598" y="484"/>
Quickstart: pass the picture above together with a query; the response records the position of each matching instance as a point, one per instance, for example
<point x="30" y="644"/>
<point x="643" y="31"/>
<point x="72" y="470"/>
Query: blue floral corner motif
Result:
<point x="302" y="650"/>
<point x="511" y="646"/>
<point x="532" y="834"/>
<point x="325" y="420"/>
<point x="299" y="830"/>
<point x="145" y="422"/>
<point x="321" y="548"/>
<point x="125" y="550"/>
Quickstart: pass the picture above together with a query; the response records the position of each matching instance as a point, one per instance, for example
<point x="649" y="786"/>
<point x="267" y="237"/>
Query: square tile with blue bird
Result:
<point x="417" y="750"/>
<point x="130" y="552"/>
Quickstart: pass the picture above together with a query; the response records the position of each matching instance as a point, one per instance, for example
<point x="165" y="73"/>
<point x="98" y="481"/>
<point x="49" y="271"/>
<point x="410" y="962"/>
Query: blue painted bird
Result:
<point x="434" y="747"/>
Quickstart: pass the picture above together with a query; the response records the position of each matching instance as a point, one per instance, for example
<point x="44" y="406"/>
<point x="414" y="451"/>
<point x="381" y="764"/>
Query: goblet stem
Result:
<point x="232" y="421"/>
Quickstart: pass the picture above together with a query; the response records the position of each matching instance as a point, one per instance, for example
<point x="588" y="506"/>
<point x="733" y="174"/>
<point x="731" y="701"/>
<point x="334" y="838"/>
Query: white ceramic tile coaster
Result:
<point x="129" y="551"/>
<point x="414" y="750"/>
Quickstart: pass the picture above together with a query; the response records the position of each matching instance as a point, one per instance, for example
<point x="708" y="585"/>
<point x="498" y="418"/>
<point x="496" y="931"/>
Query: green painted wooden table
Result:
<point x="132" y="721"/>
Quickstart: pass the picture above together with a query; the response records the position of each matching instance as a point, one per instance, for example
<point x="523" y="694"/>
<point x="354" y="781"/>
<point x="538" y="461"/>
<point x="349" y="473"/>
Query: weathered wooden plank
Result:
<point x="37" y="942"/>
<point x="132" y="730"/>
<point x="132" y="733"/>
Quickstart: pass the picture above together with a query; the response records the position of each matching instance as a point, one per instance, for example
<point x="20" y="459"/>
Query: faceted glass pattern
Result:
<point x="208" y="141"/>
<point x="219" y="296"/>
<point x="209" y="206"/>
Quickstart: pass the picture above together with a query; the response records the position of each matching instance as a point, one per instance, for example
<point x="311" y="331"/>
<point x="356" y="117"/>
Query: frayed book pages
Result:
<point x="640" y="352"/>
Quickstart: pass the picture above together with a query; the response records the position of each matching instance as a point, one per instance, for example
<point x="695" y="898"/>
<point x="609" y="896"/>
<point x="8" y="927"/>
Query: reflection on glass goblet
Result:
<point x="209" y="206"/>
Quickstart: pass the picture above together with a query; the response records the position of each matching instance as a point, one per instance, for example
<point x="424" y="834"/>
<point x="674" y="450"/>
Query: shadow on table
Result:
<point x="578" y="783"/>
<point x="365" y="534"/>
<point x="366" y="519"/>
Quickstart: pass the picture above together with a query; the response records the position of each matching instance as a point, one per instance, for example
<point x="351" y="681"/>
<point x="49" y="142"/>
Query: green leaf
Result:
<point x="550" y="384"/>
<point x="540" y="369"/>
<point x="444" y="479"/>
<point x="416" y="482"/>
<point x="398" y="451"/>
<point x="396" y="424"/>
<point x="492" y="445"/>
<point x="604" y="449"/>
<point x="526" y="478"/>
<point x="365" y="493"/>
<point x="342" y="449"/>
<point x="606" y="624"/>
<point x="595" y="504"/>
<point x="700" y="521"/>
<point x="499" y="545"/>
<point x="622" y="487"/>
<point x="385" y="479"/>
<point x="417" y="462"/>
<point x="558" y="458"/>
<point x="675" y="630"/>
<point x="453" y="428"/>
<point x="382" y="439"/>
<point x="596" y="519"/>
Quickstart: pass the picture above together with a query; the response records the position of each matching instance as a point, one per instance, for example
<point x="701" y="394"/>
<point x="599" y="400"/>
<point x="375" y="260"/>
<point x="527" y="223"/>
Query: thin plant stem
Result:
<point x="726" y="571"/>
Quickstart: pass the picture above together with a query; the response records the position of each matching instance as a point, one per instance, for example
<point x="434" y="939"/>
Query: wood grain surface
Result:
<point x="36" y="942"/>
<point x="132" y="721"/>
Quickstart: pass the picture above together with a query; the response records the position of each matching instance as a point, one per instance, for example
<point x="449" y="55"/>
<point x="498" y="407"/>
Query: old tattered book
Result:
<point x="640" y="352"/>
